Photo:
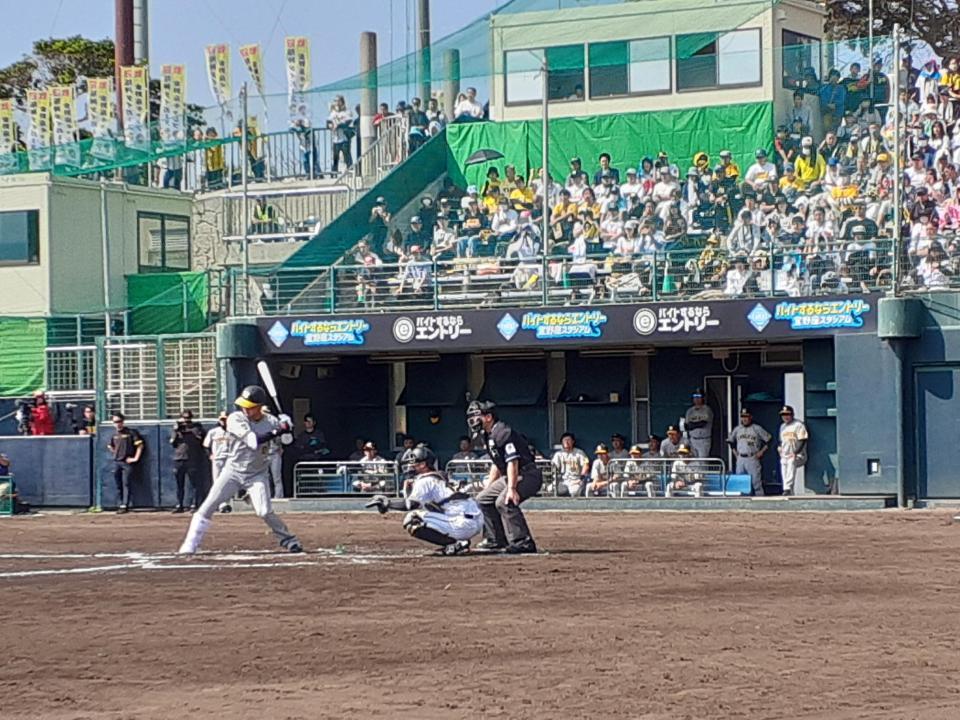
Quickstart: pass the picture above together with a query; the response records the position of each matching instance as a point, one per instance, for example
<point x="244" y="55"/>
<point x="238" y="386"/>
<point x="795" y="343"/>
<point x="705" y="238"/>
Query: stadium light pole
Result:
<point x="244" y="198"/>
<point x="897" y="159"/>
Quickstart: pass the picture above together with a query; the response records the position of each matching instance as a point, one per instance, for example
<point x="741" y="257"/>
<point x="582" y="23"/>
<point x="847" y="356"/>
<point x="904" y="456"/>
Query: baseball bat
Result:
<point x="268" y="384"/>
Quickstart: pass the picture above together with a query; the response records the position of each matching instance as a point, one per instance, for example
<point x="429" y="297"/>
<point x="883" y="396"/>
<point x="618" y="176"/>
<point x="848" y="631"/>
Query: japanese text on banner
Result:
<point x="298" y="76"/>
<point x="102" y="120"/>
<point x="218" y="72"/>
<point x="253" y="59"/>
<point x="39" y="137"/>
<point x="64" y="117"/>
<point x="136" y="106"/>
<point x="8" y="138"/>
<point x="173" y="104"/>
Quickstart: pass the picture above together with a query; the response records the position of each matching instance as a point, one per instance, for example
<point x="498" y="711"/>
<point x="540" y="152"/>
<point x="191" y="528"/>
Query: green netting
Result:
<point x="168" y="303"/>
<point x="627" y="137"/>
<point x="22" y="360"/>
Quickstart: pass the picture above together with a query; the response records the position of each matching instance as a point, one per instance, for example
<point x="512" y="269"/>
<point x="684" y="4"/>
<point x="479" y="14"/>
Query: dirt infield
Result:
<point x="655" y="616"/>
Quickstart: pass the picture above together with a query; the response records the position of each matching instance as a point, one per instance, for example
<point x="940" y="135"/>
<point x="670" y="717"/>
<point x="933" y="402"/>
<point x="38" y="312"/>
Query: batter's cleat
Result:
<point x="185" y="549"/>
<point x="295" y="547"/>
<point x="489" y="546"/>
<point x="458" y="548"/>
<point x="528" y="547"/>
<point x="178" y="509"/>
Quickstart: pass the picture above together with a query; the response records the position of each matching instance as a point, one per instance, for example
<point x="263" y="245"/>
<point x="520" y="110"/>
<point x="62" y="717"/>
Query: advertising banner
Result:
<point x="136" y="107"/>
<point x="218" y="72"/>
<point x="39" y="153"/>
<point x="63" y="113"/>
<point x="100" y="109"/>
<point x="253" y="59"/>
<point x="674" y="323"/>
<point x="173" y="104"/>
<point x="298" y="76"/>
<point x="8" y="138"/>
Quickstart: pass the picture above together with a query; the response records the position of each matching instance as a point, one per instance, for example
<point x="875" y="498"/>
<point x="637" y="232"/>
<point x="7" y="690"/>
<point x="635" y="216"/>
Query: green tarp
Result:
<point x="22" y="359"/>
<point x="168" y="302"/>
<point x="628" y="138"/>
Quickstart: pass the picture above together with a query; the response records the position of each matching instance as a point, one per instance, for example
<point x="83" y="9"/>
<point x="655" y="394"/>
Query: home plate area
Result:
<point x="627" y="615"/>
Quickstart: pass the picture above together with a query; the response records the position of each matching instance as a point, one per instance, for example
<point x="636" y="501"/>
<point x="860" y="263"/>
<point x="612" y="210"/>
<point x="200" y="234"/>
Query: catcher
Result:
<point x="435" y="513"/>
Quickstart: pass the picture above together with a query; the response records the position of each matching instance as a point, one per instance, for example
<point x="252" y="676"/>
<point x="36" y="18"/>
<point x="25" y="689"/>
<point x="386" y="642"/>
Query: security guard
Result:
<point x="514" y="477"/>
<point x="749" y="441"/>
<point x="698" y="422"/>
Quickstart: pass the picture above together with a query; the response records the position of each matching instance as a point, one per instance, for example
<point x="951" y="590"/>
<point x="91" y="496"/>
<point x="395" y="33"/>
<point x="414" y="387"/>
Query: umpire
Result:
<point x="514" y="477"/>
<point x="188" y="459"/>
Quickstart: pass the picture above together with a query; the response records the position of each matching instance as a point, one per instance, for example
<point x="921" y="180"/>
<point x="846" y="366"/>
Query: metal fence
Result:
<point x="316" y="479"/>
<point x="282" y="215"/>
<point x="155" y="377"/>
<point x="553" y="280"/>
<point x="667" y="477"/>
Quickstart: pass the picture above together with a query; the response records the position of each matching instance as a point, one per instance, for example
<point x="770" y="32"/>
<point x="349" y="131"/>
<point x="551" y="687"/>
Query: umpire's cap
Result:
<point x="252" y="396"/>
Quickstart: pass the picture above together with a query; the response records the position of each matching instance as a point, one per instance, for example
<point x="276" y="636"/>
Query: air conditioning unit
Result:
<point x="782" y="356"/>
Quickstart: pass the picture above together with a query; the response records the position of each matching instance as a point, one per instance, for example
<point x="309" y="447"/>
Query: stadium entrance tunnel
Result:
<point x="380" y="377"/>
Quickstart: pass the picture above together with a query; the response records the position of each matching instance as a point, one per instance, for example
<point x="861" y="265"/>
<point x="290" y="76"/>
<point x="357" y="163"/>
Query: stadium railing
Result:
<point x="555" y="280"/>
<point x="629" y="477"/>
<point x="320" y="478"/>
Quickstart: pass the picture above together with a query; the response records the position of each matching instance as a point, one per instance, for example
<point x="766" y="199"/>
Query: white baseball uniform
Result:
<point x="461" y="519"/>
<point x="791" y="435"/>
<point x="217" y="442"/>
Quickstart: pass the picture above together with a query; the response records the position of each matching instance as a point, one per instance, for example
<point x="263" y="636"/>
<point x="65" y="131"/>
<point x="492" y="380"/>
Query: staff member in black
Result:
<point x="188" y="459"/>
<point x="87" y="424"/>
<point x="126" y="447"/>
<point x="514" y="477"/>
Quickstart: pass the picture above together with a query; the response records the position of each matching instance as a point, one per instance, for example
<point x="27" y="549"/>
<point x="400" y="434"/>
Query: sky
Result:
<point x="180" y="29"/>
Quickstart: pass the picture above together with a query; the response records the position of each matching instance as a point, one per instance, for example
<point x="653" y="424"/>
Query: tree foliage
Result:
<point x="57" y="61"/>
<point x="937" y="22"/>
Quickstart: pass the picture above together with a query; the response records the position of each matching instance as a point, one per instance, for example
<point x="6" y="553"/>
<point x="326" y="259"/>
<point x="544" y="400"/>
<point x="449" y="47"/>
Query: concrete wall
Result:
<point x="69" y="278"/>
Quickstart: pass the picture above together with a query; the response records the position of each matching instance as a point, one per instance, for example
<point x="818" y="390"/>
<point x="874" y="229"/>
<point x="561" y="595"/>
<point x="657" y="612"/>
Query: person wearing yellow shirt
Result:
<point x="790" y="179"/>
<point x="731" y="171"/>
<point x="491" y="199"/>
<point x="844" y="195"/>
<point x="810" y="165"/>
<point x="589" y="202"/>
<point x="563" y="216"/>
<point x="521" y="197"/>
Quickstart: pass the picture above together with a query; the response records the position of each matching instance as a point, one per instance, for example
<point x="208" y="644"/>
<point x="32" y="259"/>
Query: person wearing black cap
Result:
<point x="749" y="442"/>
<point x="698" y="422"/>
<point x="671" y="443"/>
<point x="217" y="442"/>
<point x="187" y="441"/>
<point x="792" y="448"/>
<point x="514" y="477"/>
<point x="378" y="224"/>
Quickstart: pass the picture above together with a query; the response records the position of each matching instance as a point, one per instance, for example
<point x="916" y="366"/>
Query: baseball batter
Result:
<point x="792" y="448"/>
<point x="514" y="477"/>
<point x="749" y="441"/>
<point x="435" y="513"/>
<point x="246" y="468"/>
<point x="698" y="422"/>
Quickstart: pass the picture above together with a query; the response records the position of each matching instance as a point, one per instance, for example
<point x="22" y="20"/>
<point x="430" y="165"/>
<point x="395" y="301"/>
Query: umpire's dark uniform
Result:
<point x="504" y="525"/>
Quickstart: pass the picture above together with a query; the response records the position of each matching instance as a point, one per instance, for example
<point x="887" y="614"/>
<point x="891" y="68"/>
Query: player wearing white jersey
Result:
<point x="218" y="442"/>
<point x="435" y="513"/>
<point x="246" y="468"/>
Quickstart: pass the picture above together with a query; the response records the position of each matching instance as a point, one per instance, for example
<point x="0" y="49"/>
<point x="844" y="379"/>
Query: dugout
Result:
<point x="378" y="376"/>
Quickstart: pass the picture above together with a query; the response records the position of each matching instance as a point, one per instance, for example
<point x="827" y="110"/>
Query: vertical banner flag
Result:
<point x="173" y="104"/>
<point x="64" y="116"/>
<point x="8" y="138"/>
<point x="218" y="72"/>
<point x="38" y="108"/>
<point x="253" y="59"/>
<point x="136" y="107"/>
<point x="298" y="76"/>
<point x="102" y="120"/>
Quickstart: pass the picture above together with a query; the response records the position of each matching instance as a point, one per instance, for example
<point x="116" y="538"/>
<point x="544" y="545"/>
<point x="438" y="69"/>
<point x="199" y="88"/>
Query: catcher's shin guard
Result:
<point x="414" y="525"/>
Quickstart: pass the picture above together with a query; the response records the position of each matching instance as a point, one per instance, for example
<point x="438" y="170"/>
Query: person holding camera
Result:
<point x="126" y="447"/>
<point x="188" y="459"/>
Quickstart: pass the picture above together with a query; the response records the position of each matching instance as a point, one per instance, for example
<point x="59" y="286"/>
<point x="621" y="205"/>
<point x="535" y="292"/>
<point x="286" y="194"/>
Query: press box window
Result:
<point x="710" y="60"/>
<point x="20" y="237"/>
<point x="801" y="53"/>
<point x="630" y="67"/>
<point x="524" y="84"/>
<point x="164" y="242"/>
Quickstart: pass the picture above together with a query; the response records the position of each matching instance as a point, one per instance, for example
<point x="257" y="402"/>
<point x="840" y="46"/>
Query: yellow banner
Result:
<point x="136" y="107"/>
<point x="40" y="136"/>
<point x="173" y="103"/>
<point x="298" y="64"/>
<point x="64" y="116"/>
<point x="253" y="59"/>
<point x="218" y="72"/>
<point x="8" y="128"/>
<point x="100" y="111"/>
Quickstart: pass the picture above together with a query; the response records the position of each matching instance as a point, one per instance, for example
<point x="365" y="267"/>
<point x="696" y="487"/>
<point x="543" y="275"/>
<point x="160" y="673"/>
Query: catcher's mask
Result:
<point x="414" y="456"/>
<point x="475" y="412"/>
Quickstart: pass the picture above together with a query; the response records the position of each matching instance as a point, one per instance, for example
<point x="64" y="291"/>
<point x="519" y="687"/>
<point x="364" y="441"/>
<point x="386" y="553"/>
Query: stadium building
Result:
<point x="591" y="345"/>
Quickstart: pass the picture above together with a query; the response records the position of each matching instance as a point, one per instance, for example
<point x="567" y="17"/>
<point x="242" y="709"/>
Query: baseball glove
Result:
<point x="380" y="502"/>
